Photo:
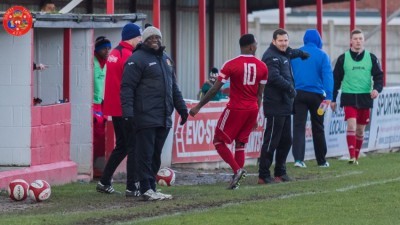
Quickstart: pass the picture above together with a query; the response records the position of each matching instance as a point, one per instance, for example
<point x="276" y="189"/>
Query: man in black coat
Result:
<point x="149" y="94"/>
<point x="278" y="100"/>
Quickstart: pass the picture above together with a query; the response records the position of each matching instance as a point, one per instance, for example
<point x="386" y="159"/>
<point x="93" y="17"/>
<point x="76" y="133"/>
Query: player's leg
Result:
<point x="282" y="150"/>
<point x="249" y="118"/>
<point x="116" y="157"/>
<point x="351" y="118"/>
<point x="299" y="124"/>
<point x="225" y="132"/>
<point x="363" y="118"/>
<point x="223" y="136"/>
<point x="318" y="132"/>
<point x="161" y="136"/>
<point x="145" y="152"/>
<point x="240" y="153"/>
<point x="272" y="135"/>
<point x="132" y="181"/>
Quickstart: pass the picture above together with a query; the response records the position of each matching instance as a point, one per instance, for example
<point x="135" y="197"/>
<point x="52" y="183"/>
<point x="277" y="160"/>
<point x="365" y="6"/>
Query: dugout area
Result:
<point x="51" y="140"/>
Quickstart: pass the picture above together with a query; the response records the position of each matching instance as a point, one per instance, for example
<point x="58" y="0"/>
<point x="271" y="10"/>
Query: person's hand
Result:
<point x="184" y="115"/>
<point x="193" y="111"/>
<point x="304" y="55"/>
<point x="374" y="94"/>
<point x="41" y="66"/>
<point x="333" y="106"/>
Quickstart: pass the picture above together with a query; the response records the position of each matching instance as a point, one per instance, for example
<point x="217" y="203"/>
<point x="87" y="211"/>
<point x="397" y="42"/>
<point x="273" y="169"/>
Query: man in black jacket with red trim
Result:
<point x="278" y="101"/>
<point x="149" y="94"/>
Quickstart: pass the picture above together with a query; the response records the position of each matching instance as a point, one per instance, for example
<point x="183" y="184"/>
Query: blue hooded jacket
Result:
<point x="315" y="73"/>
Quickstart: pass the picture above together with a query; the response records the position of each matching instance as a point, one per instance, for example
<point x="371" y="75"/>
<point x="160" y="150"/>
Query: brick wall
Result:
<point x="50" y="137"/>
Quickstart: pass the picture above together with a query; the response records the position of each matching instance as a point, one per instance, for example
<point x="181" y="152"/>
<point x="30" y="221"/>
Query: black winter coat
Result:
<point x="149" y="91"/>
<point x="279" y="91"/>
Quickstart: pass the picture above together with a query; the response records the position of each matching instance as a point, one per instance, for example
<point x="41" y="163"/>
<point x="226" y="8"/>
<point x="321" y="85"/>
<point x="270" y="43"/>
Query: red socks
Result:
<point x="359" y="142"/>
<point x="227" y="156"/>
<point x="351" y="143"/>
<point x="239" y="157"/>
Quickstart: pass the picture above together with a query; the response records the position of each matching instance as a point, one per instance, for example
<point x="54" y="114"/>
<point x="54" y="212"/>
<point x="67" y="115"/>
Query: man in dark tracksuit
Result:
<point x="278" y="100"/>
<point x="149" y="94"/>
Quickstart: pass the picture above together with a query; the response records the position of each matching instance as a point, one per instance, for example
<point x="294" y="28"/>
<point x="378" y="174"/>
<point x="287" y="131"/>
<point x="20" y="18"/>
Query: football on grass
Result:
<point x="39" y="190"/>
<point x="18" y="190"/>
<point x="165" y="177"/>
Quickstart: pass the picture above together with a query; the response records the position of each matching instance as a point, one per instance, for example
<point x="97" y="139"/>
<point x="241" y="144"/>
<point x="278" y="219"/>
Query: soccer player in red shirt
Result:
<point x="248" y="76"/>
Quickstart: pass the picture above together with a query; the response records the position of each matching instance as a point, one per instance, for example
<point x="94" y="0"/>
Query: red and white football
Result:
<point x="39" y="190"/>
<point x="165" y="177"/>
<point x="18" y="189"/>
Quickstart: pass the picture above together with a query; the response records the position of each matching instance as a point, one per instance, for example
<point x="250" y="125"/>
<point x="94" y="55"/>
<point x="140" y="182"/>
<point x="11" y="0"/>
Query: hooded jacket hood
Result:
<point x="313" y="36"/>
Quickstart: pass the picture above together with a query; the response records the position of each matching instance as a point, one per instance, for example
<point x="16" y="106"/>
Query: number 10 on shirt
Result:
<point x="249" y="74"/>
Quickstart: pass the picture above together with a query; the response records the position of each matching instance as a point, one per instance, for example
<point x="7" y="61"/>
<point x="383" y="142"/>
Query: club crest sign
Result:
<point x="17" y="21"/>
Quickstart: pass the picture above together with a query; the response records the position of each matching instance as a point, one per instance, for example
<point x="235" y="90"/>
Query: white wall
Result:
<point x="81" y="96"/>
<point x="15" y="99"/>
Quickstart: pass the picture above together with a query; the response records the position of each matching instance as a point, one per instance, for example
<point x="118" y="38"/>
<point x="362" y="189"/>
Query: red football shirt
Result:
<point x="245" y="72"/>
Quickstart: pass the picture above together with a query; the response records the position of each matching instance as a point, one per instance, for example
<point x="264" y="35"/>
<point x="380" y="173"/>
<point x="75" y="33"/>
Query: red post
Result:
<point x="110" y="7"/>
<point x="282" y="5"/>
<point x="383" y="38"/>
<point x="66" y="62"/>
<point x="202" y="41"/>
<point x="243" y="17"/>
<point x="156" y="13"/>
<point x="319" y="16"/>
<point x="352" y="15"/>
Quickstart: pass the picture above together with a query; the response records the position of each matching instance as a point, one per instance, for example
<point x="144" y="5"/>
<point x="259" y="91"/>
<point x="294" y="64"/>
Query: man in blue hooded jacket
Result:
<point x="313" y="80"/>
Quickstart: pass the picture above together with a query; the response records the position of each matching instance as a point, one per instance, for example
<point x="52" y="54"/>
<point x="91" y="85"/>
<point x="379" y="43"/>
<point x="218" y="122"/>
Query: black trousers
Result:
<point x="308" y="102"/>
<point x="277" y="137"/>
<point x="124" y="146"/>
<point x="149" y="144"/>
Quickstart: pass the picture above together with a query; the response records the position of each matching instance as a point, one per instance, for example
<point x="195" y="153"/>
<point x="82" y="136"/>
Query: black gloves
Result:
<point x="184" y="115"/>
<point x="295" y="53"/>
<point x="292" y="93"/>
<point x="128" y="123"/>
<point x="304" y="55"/>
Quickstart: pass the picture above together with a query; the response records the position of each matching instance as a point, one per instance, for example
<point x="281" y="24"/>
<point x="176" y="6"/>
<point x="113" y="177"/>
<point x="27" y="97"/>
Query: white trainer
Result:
<point x="150" y="195"/>
<point x="300" y="164"/>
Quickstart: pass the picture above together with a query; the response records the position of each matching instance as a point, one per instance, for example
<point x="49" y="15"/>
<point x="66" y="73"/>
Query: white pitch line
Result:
<point x="351" y="187"/>
<point x="344" y="189"/>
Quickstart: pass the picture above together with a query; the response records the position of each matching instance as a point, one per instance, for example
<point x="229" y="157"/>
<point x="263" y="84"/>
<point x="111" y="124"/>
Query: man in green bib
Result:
<point x="359" y="75"/>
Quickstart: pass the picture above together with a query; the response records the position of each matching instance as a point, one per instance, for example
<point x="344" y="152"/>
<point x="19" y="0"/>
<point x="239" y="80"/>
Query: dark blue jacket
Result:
<point x="279" y="91"/>
<point x="149" y="92"/>
<point x="315" y="73"/>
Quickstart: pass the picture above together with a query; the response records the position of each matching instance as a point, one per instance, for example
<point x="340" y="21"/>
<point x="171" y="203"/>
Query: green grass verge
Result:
<point x="342" y="194"/>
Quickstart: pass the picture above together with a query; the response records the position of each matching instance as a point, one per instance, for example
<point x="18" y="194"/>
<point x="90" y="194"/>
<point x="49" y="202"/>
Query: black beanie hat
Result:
<point x="130" y="31"/>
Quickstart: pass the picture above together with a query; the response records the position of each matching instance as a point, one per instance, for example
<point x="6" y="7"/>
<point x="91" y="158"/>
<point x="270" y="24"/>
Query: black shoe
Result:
<point x="108" y="189"/>
<point x="241" y="174"/>
<point x="267" y="180"/>
<point x="283" y="178"/>
<point x="132" y="194"/>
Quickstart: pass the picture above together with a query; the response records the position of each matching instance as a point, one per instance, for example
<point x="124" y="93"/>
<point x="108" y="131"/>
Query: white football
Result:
<point x="39" y="190"/>
<point x="165" y="177"/>
<point x="18" y="189"/>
